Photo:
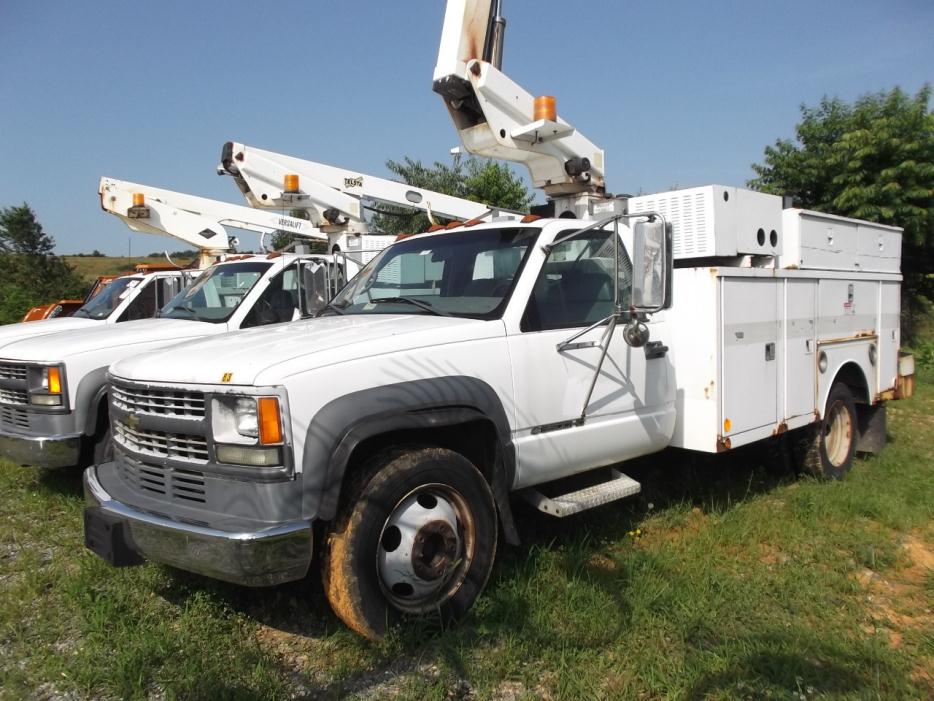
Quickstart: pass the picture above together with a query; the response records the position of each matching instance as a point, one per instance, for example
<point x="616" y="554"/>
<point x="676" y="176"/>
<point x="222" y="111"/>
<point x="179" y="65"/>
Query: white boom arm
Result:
<point x="197" y="221"/>
<point x="495" y="116"/>
<point x="333" y="197"/>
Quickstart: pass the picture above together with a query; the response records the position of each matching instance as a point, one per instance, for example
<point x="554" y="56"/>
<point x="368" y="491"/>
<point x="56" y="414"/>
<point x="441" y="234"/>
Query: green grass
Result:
<point x="726" y="579"/>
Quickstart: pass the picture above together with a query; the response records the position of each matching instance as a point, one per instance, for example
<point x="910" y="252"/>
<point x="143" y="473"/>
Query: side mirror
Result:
<point x="315" y="287"/>
<point x="651" y="267"/>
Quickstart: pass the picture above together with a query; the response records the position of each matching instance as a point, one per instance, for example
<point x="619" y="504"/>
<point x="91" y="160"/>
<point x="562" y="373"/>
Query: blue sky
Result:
<point x="678" y="93"/>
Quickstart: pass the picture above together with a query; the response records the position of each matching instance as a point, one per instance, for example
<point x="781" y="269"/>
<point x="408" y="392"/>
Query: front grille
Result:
<point x="12" y="372"/>
<point x="177" y="446"/>
<point x="165" y="482"/>
<point x="8" y="395"/>
<point x="158" y="402"/>
<point x="15" y="418"/>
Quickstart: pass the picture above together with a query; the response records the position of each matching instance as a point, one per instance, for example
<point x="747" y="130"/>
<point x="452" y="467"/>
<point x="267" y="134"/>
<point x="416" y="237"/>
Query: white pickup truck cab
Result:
<point x="53" y="393"/>
<point x="126" y="298"/>
<point x="457" y="367"/>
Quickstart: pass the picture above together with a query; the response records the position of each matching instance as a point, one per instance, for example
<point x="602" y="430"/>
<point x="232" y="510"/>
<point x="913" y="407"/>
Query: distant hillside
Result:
<point x="91" y="266"/>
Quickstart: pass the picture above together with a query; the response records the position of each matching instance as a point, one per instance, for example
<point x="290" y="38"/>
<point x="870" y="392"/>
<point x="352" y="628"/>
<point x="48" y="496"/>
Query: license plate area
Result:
<point x="107" y="536"/>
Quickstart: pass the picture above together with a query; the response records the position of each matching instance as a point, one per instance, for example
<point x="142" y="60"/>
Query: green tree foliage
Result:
<point x="872" y="160"/>
<point x="30" y="274"/>
<point x="479" y="180"/>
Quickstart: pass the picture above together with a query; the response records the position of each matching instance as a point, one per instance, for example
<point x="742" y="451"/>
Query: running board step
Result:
<point x="619" y="486"/>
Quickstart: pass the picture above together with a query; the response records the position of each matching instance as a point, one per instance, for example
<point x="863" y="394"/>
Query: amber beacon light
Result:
<point x="546" y="108"/>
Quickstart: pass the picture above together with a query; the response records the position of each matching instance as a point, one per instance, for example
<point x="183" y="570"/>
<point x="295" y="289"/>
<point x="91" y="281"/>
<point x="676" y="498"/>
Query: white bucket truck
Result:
<point x="498" y="358"/>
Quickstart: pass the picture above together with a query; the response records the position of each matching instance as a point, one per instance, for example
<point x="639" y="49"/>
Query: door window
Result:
<point x="575" y="286"/>
<point x="143" y="306"/>
<point x="278" y="302"/>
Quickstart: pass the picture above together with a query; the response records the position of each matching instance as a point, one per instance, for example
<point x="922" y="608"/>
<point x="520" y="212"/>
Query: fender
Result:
<point x="342" y="424"/>
<point x="91" y="390"/>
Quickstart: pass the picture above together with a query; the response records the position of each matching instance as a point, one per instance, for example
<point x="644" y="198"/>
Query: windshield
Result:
<point x="467" y="273"/>
<point x="216" y="294"/>
<point x="108" y="299"/>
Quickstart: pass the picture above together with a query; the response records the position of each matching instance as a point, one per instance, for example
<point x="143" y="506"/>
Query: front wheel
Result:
<point x="417" y="535"/>
<point x="827" y="448"/>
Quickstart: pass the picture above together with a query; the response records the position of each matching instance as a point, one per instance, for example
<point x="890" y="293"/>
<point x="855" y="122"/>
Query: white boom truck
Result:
<point x="53" y="408"/>
<point x="493" y="358"/>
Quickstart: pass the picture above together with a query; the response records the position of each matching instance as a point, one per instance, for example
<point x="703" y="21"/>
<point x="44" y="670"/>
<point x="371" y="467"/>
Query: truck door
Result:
<point x="630" y="412"/>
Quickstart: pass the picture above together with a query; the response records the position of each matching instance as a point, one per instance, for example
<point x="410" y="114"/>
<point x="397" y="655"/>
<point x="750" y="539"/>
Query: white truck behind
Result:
<point x="509" y="357"/>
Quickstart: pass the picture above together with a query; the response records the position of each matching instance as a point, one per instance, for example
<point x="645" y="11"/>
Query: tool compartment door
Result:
<point x="749" y="353"/>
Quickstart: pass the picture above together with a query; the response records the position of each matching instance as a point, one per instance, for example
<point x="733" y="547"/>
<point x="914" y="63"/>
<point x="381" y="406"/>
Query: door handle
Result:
<point x="769" y="351"/>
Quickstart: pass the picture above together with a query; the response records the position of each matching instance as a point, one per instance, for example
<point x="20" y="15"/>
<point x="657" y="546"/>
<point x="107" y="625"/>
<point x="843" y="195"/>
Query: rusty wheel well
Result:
<point x="852" y="376"/>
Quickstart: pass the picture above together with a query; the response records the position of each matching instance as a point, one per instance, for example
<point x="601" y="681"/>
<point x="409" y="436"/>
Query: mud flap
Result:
<point x="870" y="421"/>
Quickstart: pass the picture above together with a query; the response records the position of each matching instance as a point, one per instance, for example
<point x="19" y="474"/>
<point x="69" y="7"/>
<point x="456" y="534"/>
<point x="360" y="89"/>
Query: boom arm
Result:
<point x="198" y="221"/>
<point x="332" y="196"/>
<point x="495" y="116"/>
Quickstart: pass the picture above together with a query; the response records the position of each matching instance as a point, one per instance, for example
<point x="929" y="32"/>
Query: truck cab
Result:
<point x="53" y="403"/>
<point x="125" y="298"/>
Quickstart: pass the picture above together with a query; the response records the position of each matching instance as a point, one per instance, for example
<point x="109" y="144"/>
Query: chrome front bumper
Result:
<point x="41" y="451"/>
<point x="122" y="535"/>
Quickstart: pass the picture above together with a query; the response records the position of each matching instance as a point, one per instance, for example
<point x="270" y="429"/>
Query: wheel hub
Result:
<point x="421" y="550"/>
<point x="837" y="434"/>
<point x="434" y="551"/>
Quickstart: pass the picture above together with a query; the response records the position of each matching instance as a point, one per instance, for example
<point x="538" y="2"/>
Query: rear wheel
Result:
<point x="416" y="536"/>
<point x="827" y="448"/>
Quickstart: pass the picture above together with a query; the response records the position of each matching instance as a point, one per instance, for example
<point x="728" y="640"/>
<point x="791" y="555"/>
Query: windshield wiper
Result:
<point x="185" y="308"/>
<point x="332" y="307"/>
<point x="410" y="300"/>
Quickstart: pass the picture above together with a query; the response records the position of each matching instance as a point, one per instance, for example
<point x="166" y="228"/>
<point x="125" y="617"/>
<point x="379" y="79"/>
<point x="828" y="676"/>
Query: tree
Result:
<point x="485" y="181"/>
<point x="30" y="274"/>
<point x="871" y="160"/>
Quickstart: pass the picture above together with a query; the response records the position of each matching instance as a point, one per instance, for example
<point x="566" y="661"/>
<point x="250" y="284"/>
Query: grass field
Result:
<point x="724" y="580"/>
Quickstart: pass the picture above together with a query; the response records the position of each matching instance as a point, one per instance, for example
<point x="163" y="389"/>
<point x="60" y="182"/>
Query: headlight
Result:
<point x="47" y="386"/>
<point x="247" y="430"/>
<point x="245" y="417"/>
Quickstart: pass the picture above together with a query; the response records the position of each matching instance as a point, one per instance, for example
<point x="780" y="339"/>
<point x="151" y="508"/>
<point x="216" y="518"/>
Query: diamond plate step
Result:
<point x="619" y="486"/>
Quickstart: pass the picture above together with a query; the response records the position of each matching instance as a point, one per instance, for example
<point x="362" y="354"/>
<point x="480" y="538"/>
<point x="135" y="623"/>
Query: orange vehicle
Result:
<point x="63" y="307"/>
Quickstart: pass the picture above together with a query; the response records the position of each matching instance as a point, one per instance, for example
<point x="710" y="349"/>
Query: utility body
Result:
<point x="529" y="357"/>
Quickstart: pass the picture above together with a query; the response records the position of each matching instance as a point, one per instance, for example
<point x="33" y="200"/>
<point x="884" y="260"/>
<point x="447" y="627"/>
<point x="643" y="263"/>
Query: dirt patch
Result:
<point x="898" y="602"/>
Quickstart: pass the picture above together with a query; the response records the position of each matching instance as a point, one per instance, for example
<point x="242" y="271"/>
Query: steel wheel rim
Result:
<point x="838" y="434"/>
<point x="425" y="548"/>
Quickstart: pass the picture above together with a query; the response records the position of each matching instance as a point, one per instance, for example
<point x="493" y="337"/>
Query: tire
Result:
<point x="103" y="445"/>
<point x="416" y="536"/>
<point x="827" y="448"/>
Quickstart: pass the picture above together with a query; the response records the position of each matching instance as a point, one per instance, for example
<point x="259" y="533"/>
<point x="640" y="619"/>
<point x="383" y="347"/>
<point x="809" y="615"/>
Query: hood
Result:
<point x="66" y="344"/>
<point x="273" y="352"/>
<point x="31" y="329"/>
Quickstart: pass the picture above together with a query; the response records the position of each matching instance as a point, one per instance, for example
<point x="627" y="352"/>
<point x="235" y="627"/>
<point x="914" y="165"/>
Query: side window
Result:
<point x="143" y="305"/>
<point x="575" y="286"/>
<point x="278" y="301"/>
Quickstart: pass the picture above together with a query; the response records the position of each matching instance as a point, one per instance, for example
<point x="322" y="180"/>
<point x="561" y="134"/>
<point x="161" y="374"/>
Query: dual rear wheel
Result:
<point x="827" y="448"/>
